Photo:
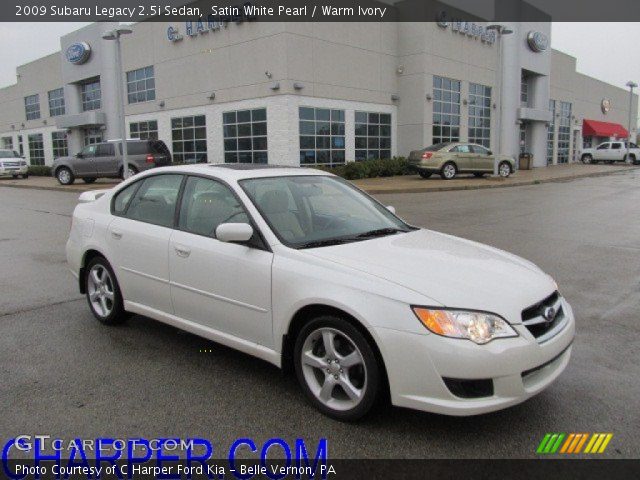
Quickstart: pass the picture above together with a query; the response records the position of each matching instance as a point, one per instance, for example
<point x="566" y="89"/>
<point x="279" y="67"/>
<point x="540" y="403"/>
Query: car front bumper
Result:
<point x="22" y="170"/>
<point x="518" y="368"/>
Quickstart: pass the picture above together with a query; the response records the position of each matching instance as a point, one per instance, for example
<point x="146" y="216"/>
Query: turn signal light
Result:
<point x="149" y="158"/>
<point x="427" y="155"/>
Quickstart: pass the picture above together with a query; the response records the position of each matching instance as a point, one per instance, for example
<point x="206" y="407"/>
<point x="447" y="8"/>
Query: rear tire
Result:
<point x="504" y="169"/>
<point x="65" y="176"/>
<point x="103" y="292"/>
<point x="449" y="171"/>
<point x="337" y="368"/>
<point x="425" y="174"/>
<point x="88" y="180"/>
<point x="132" y="171"/>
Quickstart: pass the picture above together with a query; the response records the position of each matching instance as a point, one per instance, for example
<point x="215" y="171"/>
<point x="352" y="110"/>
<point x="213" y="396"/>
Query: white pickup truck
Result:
<point x="611" y="152"/>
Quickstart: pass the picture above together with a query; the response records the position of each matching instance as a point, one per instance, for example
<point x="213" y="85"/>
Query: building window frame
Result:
<point x="321" y="136"/>
<point x="59" y="144"/>
<point x="480" y="114"/>
<point x="189" y="139"/>
<point x="144" y="130"/>
<point x="32" y="106"/>
<point x="446" y="110"/>
<point x="91" y="96"/>
<point x="551" y="132"/>
<point x="524" y="90"/>
<point x="7" y="143"/>
<point x="56" y="102"/>
<point x="564" y="131"/>
<point x="141" y="85"/>
<point x="245" y="136"/>
<point x="91" y="136"/>
<point x="36" y="148"/>
<point x="372" y="134"/>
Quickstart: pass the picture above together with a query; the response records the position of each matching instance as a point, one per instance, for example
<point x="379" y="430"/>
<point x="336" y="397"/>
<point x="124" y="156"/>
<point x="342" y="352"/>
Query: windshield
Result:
<point x="8" y="154"/>
<point x="314" y="211"/>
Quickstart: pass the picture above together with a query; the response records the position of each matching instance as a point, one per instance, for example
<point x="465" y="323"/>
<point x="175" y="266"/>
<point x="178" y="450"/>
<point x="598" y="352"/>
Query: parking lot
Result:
<point x="64" y="374"/>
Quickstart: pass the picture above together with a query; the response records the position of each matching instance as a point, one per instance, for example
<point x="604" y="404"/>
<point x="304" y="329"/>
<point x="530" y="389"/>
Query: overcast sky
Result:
<point x="607" y="51"/>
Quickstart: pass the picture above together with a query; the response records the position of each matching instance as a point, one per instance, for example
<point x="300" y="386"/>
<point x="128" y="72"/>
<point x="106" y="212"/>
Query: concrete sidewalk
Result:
<point x="403" y="184"/>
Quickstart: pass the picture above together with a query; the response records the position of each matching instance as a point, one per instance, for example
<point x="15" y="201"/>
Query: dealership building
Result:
<point x="312" y="93"/>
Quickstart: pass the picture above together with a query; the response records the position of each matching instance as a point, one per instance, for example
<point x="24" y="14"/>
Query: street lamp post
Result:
<point x="500" y="31"/>
<point x="631" y="86"/>
<point x="115" y="35"/>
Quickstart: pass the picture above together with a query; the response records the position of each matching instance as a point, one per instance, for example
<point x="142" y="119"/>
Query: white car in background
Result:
<point x="300" y="268"/>
<point x="11" y="163"/>
<point x="611" y="152"/>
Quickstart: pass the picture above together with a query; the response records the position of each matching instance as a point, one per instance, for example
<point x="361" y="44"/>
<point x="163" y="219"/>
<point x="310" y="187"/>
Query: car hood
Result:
<point x="455" y="272"/>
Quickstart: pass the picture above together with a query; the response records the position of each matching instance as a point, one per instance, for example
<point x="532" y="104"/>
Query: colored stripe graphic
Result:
<point x="572" y="443"/>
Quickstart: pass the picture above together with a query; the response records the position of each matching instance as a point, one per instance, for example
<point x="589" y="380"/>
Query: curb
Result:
<point x="522" y="183"/>
<point x="379" y="191"/>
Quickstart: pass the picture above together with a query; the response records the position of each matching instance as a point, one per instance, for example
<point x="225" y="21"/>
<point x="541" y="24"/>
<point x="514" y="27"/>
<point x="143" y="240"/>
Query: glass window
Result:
<point x="245" y="136"/>
<point x="92" y="136"/>
<point x="189" y="136"/>
<point x="20" y="145"/>
<point x="372" y="135"/>
<point x="479" y="150"/>
<point x="524" y="90"/>
<point x="461" y="149"/>
<point x="36" y="149"/>
<point x="306" y="211"/>
<point x="206" y="204"/>
<point x="89" y="151"/>
<point x="141" y="85"/>
<point x="144" y="130"/>
<point x="616" y="146"/>
<point x="446" y="110"/>
<point x="480" y="114"/>
<point x="91" y="96"/>
<point x="121" y="200"/>
<point x="105" y="150"/>
<point x="59" y="143"/>
<point x="56" y="102"/>
<point x="603" y="146"/>
<point x="322" y="134"/>
<point x="7" y="143"/>
<point x="551" y="132"/>
<point x="564" y="132"/>
<point x="32" y="107"/>
<point x="155" y="201"/>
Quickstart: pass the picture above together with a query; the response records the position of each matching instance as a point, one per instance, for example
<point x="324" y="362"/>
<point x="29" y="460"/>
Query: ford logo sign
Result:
<point x="78" y="53"/>
<point x="538" y="41"/>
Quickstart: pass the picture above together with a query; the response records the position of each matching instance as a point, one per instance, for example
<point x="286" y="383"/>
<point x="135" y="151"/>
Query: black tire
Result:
<point x="372" y="369"/>
<point x="65" y="176"/>
<point x="445" y="172"/>
<point x="133" y="169"/>
<point x="425" y="174"/>
<point x="117" y="313"/>
<point x="88" y="179"/>
<point x="14" y="176"/>
<point x="25" y="176"/>
<point x="610" y="162"/>
<point x="587" y="159"/>
<point x="632" y="159"/>
<point x="500" y="168"/>
<point x="478" y="174"/>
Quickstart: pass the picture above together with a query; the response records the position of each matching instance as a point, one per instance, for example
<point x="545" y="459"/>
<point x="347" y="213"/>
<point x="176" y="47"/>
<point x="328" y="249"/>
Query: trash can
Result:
<point x="525" y="160"/>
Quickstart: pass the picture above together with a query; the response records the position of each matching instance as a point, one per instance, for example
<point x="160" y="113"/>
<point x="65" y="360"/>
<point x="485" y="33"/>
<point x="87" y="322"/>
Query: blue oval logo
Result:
<point x="78" y="53"/>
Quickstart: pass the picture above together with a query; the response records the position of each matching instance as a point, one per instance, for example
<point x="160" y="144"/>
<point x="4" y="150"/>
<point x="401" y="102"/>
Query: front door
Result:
<point x="482" y="160"/>
<point x="138" y="239"/>
<point x="85" y="164"/>
<point x="602" y="151"/>
<point x="222" y="286"/>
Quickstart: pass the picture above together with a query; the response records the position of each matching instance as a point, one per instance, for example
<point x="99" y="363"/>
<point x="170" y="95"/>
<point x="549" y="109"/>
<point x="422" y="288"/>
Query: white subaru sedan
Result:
<point x="300" y="268"/>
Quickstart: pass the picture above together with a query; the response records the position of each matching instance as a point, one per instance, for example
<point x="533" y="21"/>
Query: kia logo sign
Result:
<point x="78" y="53"/>
<point x="538" y="41"/>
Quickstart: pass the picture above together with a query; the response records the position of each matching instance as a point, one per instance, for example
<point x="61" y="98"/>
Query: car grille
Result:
<point x="538" y="324"/>
<point x="11" y="164"/>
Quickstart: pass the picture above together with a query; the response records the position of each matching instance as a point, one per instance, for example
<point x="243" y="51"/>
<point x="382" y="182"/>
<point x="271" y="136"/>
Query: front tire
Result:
<point x="103" y="292"/>
<point x="587" y="159"/>
<point x="337" y="368"/>
<point x="65" y="176"/>
<point x="449" y="171"/>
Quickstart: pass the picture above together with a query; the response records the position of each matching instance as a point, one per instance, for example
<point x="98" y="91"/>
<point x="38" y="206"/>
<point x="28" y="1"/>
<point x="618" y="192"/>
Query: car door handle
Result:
<point x="116" y="234"/>
<point x="181" y="251"/>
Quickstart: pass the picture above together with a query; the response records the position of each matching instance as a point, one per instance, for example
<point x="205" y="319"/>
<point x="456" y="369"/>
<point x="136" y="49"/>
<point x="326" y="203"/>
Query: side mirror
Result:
<point x="489" y="152"/>
<point x="79" y="155"/>
<point x="391" y="209"/>
<point x="234" y="232"/>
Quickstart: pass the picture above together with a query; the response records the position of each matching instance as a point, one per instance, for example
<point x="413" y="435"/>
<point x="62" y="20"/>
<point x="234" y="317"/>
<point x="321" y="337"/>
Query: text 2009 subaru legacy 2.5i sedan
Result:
<point x="300" y="268"/>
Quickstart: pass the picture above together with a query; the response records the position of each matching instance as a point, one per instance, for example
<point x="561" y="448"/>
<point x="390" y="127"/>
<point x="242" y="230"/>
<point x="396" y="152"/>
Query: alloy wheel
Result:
<point x="449" y="171"/>
<point x="101" y="290"/>
<point x="504" y="170"/>
<point x="334" y="369"/>
<point x="64" y="176"/>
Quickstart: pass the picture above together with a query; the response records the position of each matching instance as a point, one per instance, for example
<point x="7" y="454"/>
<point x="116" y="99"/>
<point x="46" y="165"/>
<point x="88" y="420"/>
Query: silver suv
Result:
<point x="104" y="160"/>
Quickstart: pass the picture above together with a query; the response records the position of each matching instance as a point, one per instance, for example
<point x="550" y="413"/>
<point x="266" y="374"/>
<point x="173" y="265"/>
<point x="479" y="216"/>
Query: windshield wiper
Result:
<point x="326" y="243"/>
<point x="380" y="232"/>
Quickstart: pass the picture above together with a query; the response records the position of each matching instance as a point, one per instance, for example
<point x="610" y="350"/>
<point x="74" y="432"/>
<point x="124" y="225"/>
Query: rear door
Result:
<point x="482" y="160"/>
<point x="617" y="152"/>
<point x="106" y="161"/>
<point x="138" y="239"/>
<point x="463" y="157"/>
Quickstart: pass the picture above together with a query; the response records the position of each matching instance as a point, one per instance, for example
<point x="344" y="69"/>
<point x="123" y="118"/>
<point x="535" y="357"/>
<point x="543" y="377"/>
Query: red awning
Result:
<point x="594" y="128"/>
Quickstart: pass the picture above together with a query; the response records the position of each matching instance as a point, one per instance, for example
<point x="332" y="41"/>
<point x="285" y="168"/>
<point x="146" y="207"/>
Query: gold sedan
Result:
<point x="451" y="158"/>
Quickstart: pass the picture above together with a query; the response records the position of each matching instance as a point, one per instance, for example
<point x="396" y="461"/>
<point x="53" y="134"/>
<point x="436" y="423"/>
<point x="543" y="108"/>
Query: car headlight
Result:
<point x="479" y="327"/>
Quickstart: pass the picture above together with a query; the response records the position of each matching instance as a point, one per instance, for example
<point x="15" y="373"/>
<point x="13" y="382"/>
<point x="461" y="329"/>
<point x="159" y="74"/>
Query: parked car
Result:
<point x="11" y="163"/>
<point x="300" y="268"/>
<point x="451" y="158"/>
<point x="611" y="152"/>
<point x="104" y="160"/>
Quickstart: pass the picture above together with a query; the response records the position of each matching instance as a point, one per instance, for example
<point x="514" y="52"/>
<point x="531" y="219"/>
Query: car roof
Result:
<point x="241" y="171"/>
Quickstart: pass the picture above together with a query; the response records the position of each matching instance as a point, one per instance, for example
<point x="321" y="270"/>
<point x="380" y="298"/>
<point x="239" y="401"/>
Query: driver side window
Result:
<point x="206" y="204"/>
<point x="88" y="151"/>
<point x="604" y="146"/>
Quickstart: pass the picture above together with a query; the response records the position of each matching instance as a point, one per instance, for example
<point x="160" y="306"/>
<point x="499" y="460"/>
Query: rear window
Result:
<point x="437" y="146"/>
